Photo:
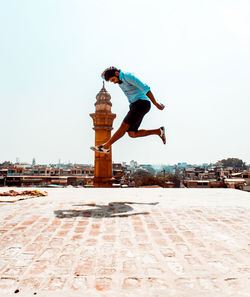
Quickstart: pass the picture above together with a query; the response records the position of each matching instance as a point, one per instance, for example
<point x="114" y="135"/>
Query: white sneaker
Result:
<point x="100" y="149"/>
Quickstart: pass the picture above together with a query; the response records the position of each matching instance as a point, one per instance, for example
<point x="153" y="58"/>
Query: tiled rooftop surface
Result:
<point x="126" y="242"/>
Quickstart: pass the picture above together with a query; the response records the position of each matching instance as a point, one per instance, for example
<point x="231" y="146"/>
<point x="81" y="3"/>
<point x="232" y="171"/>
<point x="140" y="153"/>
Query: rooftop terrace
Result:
<point x="126" y="242"/>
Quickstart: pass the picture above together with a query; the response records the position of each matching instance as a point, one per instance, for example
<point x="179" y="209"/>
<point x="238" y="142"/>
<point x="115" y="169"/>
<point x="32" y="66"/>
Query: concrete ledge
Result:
<point x="126" y="242"/>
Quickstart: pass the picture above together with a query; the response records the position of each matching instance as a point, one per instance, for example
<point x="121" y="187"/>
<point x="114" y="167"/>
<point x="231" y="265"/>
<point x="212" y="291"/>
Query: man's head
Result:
<point x="112" y="74"/>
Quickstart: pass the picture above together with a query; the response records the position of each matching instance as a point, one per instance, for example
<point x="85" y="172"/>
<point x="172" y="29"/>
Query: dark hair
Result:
<point x="109" y="72"/>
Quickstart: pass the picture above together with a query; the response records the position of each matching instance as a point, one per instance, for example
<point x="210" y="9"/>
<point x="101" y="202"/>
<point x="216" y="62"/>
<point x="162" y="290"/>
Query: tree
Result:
<point x="145" y="178"/>
<point x="139" y="174"/>
<point x="232" y="162"/>
<point x="175" y="179"/>
<point x="150" y="181"/>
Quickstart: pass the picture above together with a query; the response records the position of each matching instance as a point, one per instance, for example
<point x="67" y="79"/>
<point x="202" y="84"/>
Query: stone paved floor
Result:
<point x="126" y="242"/>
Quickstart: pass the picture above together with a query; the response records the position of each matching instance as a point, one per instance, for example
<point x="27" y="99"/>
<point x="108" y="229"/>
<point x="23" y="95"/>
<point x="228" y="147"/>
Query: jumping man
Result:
<point x="139" y="97"/>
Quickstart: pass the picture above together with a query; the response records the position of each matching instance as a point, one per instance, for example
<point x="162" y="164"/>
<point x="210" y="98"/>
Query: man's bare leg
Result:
<point x="142" y="133"/>
<point x="117" y="135"/>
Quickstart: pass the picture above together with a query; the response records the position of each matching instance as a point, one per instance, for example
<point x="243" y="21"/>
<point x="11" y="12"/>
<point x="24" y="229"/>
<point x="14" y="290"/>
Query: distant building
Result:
<point x="182" y="165"/>
<point x="133" y="164"/>
<point x="3" y="175"/>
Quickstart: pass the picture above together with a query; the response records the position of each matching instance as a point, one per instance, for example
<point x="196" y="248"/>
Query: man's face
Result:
<point x="114" y="79"/>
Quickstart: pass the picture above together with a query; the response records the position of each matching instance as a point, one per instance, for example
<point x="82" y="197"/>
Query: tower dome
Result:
<point x="103" y="103"/>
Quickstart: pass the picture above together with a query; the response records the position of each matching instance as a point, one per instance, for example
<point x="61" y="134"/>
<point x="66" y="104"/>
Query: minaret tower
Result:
<point x="103" y="120"/>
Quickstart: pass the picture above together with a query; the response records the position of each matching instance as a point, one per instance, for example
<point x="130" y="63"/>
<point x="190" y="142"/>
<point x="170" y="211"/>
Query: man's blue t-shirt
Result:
<point x="132" y="87"/>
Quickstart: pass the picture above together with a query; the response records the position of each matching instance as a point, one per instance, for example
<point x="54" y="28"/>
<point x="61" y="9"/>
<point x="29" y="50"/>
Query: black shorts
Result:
<point x="137" y="111"/>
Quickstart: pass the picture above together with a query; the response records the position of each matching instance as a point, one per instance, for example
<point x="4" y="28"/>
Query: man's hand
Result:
<point x="152" y="99"/>
<point x="160" y="106"/>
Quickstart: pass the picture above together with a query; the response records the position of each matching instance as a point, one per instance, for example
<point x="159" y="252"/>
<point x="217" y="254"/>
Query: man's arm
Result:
<point x="144" y="88"/>
<point x="152" y="99"/>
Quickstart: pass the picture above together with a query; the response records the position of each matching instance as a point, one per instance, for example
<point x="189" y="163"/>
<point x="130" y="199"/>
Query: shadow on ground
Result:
<point x="113" y="209"/>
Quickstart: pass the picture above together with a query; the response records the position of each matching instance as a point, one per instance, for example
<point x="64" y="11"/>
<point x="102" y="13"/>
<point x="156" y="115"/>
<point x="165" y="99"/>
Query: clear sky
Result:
<point x="195" y="56"/>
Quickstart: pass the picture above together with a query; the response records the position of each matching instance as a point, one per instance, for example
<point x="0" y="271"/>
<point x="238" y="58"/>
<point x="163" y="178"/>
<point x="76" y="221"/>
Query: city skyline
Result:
<point x="194" y="55"/>
<point x="156" y="166"/>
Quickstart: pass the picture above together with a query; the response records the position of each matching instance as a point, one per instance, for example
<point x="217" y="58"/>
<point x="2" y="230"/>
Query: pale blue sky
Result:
<point x="195" y="56"/>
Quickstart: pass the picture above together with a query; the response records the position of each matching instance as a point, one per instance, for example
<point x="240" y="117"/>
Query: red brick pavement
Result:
<point x="123" y="249"/>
